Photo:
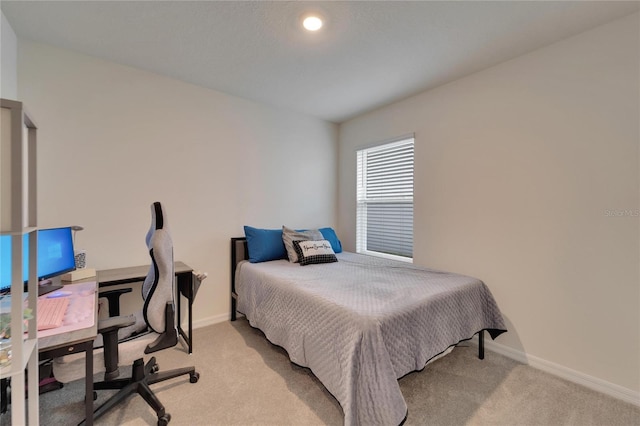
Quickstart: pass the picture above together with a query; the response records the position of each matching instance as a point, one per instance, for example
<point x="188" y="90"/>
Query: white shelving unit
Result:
<point x="18" y="217"/>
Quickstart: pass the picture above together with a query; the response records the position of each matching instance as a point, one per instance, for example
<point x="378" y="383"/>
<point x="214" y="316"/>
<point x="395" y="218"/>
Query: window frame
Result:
<point x="363" y="201"/>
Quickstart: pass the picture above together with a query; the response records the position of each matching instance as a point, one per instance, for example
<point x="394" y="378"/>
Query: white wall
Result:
<point x="519" y="169"/>
<point x="8" y="60"/>
<point x="113" y="139"/>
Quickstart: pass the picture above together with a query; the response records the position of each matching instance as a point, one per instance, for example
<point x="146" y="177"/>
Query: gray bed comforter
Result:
<point x="362" y="323"/>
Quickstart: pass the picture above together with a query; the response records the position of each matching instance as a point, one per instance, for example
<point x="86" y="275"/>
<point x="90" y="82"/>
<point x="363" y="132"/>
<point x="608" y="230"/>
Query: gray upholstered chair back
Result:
<point x="158" y="289"/>
<point x="159" y="314"/>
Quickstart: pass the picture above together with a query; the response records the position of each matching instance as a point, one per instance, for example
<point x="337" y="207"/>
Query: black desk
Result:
<point x="56" y="344"/>
<point x="137" y="274"/>
<point x="69" y="348"/>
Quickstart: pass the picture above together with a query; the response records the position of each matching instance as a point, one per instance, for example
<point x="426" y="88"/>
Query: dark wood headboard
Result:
<point x="239" y="252"/>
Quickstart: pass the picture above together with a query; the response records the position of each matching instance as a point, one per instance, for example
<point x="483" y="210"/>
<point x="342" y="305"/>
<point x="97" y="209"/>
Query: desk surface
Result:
<point x="132" y="274"/>
<point x="64" y="335"/>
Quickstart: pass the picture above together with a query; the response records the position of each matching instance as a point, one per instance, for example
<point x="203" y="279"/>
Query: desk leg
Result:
<point x="191" y="322"/>
<point x="185" y="288"/>
<point x="179" y="303"/>
<point x="88" y="396"/>
<point x="4" y="384"/>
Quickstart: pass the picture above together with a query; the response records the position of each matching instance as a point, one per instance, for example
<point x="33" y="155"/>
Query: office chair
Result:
<point x="158" y="318"/>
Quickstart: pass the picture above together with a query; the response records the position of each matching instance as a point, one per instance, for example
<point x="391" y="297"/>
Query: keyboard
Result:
<point x="51" y="312"/>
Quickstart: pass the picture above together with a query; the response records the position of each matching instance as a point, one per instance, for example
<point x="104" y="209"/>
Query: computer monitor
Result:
<point x="55" y="256"/>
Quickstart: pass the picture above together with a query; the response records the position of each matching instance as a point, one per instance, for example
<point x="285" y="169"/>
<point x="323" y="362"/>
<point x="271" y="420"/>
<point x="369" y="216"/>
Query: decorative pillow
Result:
<point x="314" y="252"/>
<point x="330" y="235"/>
<point x="264" y="244"/>
<point x="290" y="235"/>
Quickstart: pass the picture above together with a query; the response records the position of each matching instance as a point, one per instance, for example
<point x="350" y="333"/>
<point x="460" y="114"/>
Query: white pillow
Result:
<point x="290" y="235"/>
<point x="313" y="252"/>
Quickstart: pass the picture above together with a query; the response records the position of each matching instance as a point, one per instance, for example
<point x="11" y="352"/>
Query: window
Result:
<point x="385" y="200"/>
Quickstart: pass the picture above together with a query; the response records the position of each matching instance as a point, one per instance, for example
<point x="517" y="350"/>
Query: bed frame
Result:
<point x="239" y="252"/>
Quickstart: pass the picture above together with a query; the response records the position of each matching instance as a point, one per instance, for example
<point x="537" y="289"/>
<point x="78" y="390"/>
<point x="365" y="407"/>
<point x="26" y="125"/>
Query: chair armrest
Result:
<point x="109" y="330"/>
<point x="113" y="324"/>
<point x="113" y="297"/>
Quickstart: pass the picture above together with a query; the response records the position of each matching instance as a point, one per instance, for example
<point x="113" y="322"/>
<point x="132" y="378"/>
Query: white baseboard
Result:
<point x="211" y="320"/>
<point x="594" y="383"/>
<point x="208" y="321"/>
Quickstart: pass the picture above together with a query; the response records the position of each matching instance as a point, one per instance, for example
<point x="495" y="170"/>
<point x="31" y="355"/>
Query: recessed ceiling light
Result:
<point x="312" y="23"/>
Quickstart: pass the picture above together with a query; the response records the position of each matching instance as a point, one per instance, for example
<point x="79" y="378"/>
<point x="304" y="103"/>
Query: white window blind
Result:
<point x="385" y="200"/>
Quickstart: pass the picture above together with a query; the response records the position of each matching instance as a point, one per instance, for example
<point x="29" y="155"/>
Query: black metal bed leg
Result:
<point x="481" y="344"/>
<point x="233" y="309"/>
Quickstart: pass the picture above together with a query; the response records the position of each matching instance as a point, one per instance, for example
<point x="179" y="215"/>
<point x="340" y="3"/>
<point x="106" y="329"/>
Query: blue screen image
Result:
<point x="55" y="255"/>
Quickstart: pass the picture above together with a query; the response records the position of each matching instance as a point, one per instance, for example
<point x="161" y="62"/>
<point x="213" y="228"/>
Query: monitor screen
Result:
<point x="55" y="255"/>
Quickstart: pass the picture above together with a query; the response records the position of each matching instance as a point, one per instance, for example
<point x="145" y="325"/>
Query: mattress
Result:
<point x="363" y="322"/>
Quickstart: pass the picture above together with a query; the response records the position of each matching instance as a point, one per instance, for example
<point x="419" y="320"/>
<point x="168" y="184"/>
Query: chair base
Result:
<point x="142" y="376"/>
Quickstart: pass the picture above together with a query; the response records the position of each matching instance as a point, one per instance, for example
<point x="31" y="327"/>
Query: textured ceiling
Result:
<point x="368" y="54"/>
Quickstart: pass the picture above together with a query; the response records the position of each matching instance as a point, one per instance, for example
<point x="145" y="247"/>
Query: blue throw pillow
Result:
<point x="264" y="244"/>
<point x="330" y="235"/>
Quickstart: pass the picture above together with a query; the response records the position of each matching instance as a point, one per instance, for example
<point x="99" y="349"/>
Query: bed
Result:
<point x="361" y="323"/>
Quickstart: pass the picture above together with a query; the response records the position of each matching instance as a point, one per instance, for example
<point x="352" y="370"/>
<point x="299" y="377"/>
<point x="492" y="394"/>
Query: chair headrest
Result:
<point x="158" y="220"/>
<point x="157" y="215"/>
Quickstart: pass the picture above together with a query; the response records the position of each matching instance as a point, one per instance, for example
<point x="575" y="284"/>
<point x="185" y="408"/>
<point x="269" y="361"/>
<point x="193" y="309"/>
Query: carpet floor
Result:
<point x="245" y="380"/>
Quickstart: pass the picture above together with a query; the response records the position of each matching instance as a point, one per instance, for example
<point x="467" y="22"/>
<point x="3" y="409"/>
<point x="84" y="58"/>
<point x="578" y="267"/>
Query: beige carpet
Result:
<point x="244" y="380"/>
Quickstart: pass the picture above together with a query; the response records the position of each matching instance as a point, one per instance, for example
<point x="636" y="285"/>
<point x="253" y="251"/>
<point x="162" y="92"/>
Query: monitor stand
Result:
<point x="45" y="287"/>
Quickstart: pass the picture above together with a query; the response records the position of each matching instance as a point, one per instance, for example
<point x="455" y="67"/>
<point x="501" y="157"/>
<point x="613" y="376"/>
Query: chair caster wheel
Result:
<point x="193" y="378"/>
<point x="164" y="420"/>
<point x="155" y="369"/>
